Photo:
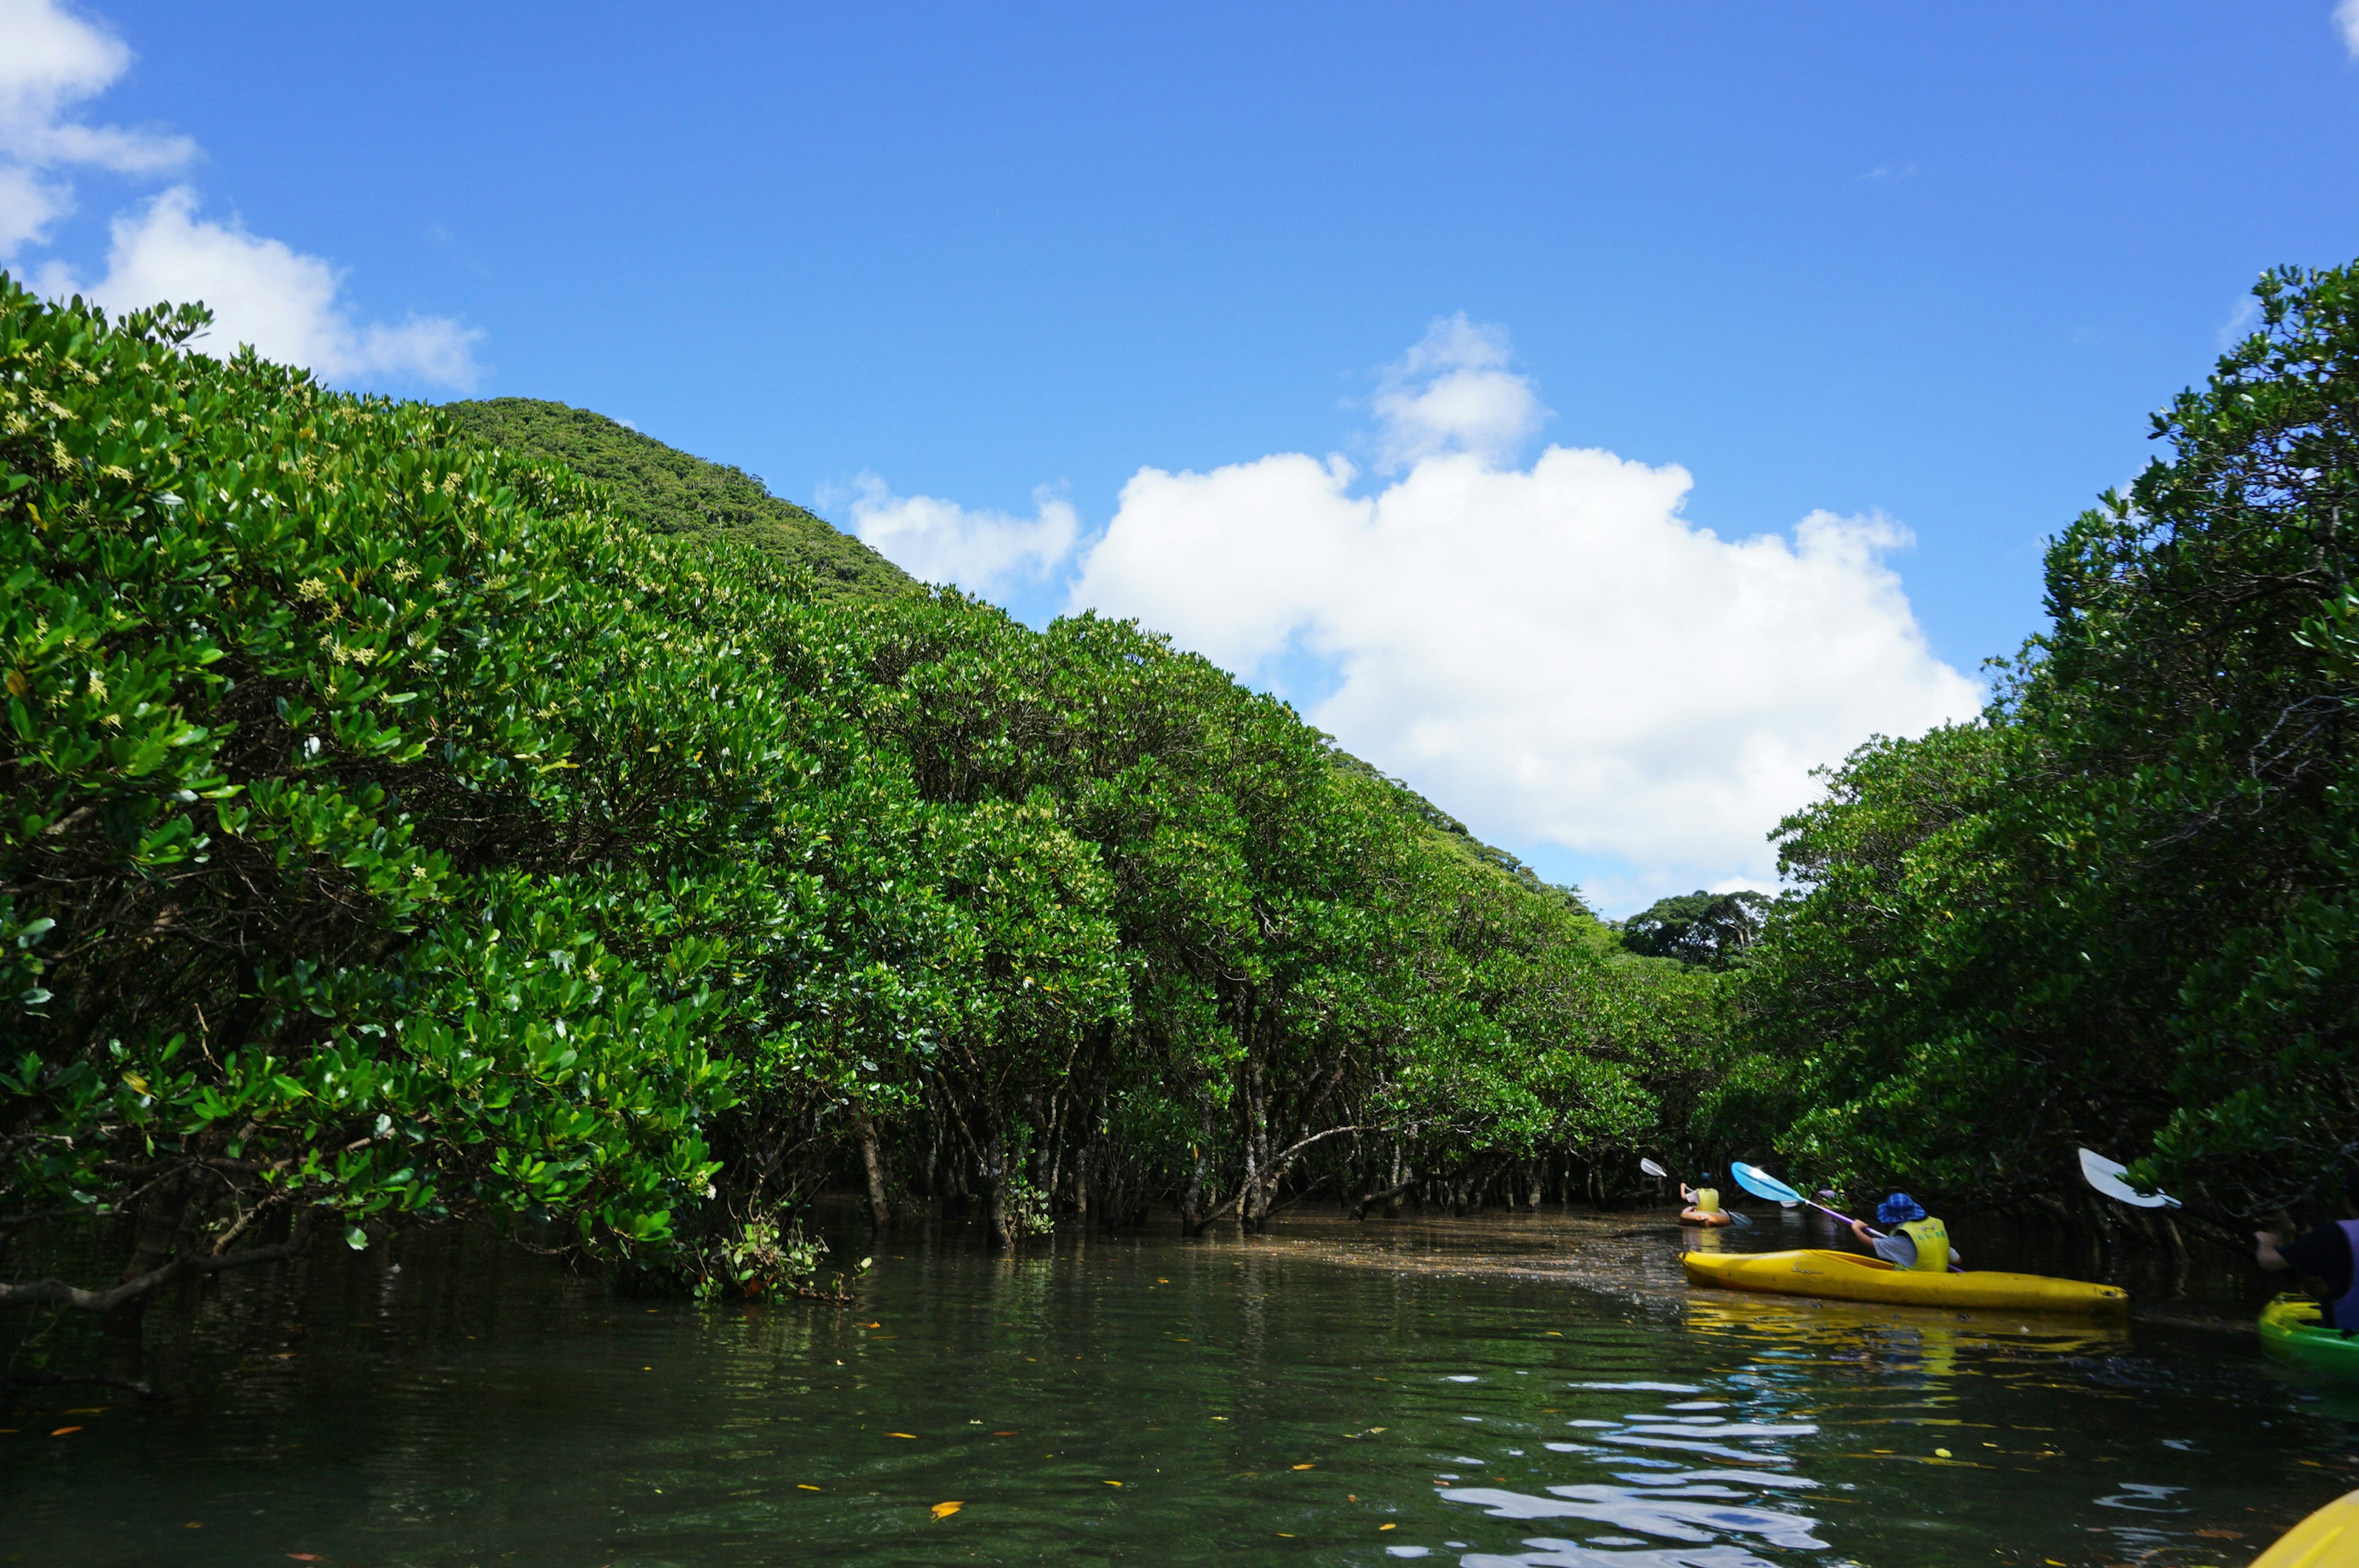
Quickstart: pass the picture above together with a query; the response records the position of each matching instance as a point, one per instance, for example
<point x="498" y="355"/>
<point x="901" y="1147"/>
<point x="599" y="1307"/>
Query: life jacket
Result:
<point x="2342" y="1312"/>
<point x="1932" y="1240"/>
<point x="1707" y="1200"/>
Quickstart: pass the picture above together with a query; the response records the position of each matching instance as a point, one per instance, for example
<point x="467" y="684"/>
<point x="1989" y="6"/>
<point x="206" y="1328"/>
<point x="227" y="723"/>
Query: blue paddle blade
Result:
<point x="1762" y="1185"/>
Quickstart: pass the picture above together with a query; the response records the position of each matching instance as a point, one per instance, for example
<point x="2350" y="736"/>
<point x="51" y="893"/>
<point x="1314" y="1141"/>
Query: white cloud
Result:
<point x="267" y="294"/>
<point x="53" y="62"/>
<point x="1452" y="393"/>
<point x="940" y="541"/>
<point x="1555" y="653"/>
<point x="262" y="291"/>
<point x="2245" y="312"/>
<point x="2346" y="22"/>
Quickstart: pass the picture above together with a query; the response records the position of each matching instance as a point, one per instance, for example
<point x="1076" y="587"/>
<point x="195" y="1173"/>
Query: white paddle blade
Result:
<point x="1652" y="1169"/>
<point x="2106" y="1176"/>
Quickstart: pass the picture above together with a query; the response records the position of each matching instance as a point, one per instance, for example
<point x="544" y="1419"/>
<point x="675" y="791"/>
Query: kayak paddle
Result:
<point x="2105" y="1175"/>
<point x="1762" y="1185"/>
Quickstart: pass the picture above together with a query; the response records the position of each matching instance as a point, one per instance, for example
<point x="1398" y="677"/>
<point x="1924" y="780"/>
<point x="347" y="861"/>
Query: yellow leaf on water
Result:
<point x="908" y="1434"/>
<point x="805" y="1486"/>
<point x="945" y="1510"/>
<point x="63" y="1429"/>
<point x="1303" y="1467"/>
<point x="1940" y="1454"/>
<point x="1114" y="1483"/>
<point x="1387" y="1527"/>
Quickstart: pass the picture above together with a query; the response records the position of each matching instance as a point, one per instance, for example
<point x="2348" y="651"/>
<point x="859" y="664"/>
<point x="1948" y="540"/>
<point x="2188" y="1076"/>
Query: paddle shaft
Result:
<point x="1840" y="1215"/>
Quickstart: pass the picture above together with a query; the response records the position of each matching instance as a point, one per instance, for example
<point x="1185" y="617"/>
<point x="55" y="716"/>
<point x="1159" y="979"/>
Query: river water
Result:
<point x="1535" y="1390"/>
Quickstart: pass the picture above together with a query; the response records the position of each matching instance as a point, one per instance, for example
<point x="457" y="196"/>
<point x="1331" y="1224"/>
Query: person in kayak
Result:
<point x="2323" y="1255"/>
<point x="1916" y="1240"/>
<point x="1703" y="1204"/>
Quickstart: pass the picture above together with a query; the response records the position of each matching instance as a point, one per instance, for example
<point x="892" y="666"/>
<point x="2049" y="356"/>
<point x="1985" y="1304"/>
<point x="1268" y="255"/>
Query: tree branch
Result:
<point x="75" y="1297"/>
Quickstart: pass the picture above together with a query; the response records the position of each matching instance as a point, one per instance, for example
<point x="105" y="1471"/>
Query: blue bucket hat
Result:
<point x="1899" y="1209"/>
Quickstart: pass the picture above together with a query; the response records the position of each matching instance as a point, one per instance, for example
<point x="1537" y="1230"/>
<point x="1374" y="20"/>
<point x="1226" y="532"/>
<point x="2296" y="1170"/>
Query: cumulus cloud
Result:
<point x="262" y="291"/>
<point x="2346" y="22"/>
<point x="53" y="62"/>
<point x="940" y="541"/>
<point x="267" y="294"/>
<point x="1555" y="652"/>
<point x="1453" y="393"/>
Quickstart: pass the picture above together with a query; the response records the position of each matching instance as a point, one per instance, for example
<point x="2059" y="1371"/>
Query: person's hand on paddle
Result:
<point x="2266" y="1253"/>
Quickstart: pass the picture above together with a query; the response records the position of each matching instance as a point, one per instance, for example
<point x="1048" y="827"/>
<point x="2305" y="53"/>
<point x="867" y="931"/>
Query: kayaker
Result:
<point x="1916" y="1239"/>
<point x="2323" y="1255"/>
<point x="1703" y="1204"/>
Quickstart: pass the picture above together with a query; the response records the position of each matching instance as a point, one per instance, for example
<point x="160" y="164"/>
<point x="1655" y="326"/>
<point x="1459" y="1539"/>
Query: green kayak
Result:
<point x="2292" y="1330"/>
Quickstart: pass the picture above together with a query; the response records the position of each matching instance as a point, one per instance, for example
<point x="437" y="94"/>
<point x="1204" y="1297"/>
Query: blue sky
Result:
<point x="1927" y="265"/>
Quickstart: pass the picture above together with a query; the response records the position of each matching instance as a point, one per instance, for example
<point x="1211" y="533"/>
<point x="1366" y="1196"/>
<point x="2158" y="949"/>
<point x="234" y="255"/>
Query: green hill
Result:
<point x="667" y="491"/>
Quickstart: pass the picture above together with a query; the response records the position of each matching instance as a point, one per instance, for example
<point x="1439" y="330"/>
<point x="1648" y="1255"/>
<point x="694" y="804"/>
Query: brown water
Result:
<point x="1537" y="1391"/>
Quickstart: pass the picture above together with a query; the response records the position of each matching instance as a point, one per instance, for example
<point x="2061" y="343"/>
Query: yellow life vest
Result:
<point x="1707" y="1200"/>
<point x="1932" y="1240"/>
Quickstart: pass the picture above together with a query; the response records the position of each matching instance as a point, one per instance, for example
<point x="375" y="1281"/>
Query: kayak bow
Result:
<point x="2294" y="1330"/>
<point x="2327" y="1539"/>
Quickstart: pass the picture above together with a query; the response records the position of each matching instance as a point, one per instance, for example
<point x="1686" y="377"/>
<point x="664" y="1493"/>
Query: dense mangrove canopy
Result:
<point x="393" y="827"/>
<point x="2118" y="909"/>
<point x="400" y="824"/>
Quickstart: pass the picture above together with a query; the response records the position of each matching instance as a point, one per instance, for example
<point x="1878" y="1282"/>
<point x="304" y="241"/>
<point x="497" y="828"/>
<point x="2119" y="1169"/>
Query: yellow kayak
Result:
<point x="1848" y="1276"/>
<point x="2327" y="1539"/>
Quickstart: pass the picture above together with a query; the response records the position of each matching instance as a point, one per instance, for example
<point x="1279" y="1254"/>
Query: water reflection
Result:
<point x="1332" y="1394"/>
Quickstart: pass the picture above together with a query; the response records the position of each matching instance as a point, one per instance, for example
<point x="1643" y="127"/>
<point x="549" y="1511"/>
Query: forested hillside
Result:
<point x="397" y="830"/>
<point x="666" y="491"/>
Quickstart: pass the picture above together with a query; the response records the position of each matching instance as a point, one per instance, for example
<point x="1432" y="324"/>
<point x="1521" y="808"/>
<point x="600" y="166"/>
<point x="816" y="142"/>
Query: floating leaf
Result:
<point x="805" y="1486"/>
<point x="63" y="1429"/>
<point x="945" y="1510"/>
<point x="908" y="1434"/>
<point x="1303" y="1467"/>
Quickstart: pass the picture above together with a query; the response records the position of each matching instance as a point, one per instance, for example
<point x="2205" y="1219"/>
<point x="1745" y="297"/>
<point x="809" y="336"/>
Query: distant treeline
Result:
<point x="396" y="827"/>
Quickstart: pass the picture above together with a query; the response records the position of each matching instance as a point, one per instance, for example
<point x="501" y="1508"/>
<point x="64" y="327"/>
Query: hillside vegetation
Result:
<point x="396" y="829"/>
<point x="666" y="491"/>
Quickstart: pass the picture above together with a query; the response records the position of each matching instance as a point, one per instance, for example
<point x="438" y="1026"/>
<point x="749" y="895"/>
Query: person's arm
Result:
<point x="2266" y="1253"/>
<point x="1956" y="1261"/>
<point x="1867" y="1237"/>
<point x="1687" y="1194"/>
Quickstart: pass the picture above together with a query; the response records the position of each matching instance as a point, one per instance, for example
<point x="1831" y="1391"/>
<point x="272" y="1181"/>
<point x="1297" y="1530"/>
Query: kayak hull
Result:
<point x="1847" y="1276"/>
<point x="1702" y="1216"/>
<point x="2327" y="1539"/>
<point x="2294" y="1331"/>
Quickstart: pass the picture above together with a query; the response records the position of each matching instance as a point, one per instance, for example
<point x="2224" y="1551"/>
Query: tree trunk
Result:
<point x="125" y="1327"/>
<point x="880" y="1208"/>
<point x="1000" y="1218"/>
<point x="1191" y="1202"/>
